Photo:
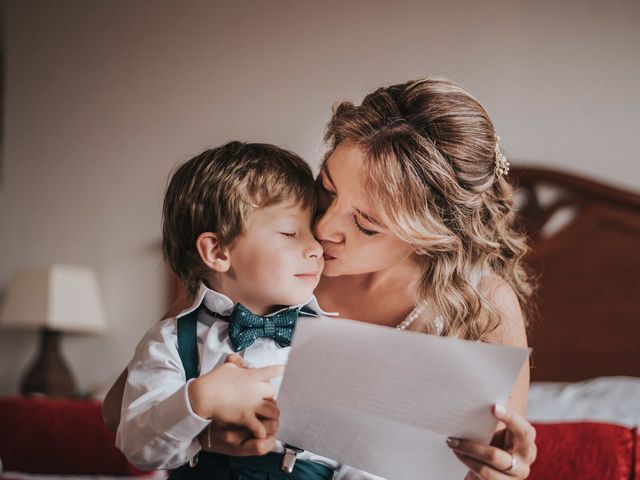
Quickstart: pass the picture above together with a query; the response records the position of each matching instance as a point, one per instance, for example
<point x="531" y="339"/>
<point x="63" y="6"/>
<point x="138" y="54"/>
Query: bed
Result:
<point x="585" y="395"/>
<point x="585" y="335"/>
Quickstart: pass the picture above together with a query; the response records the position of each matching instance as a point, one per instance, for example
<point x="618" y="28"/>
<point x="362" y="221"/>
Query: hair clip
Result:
<point x="501" y="162"/>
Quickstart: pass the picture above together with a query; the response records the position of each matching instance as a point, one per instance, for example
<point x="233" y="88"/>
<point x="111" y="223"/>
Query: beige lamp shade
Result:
<point x="57" y="297"/>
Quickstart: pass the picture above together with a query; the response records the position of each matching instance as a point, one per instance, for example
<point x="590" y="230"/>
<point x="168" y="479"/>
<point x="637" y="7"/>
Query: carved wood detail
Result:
<point x="588" y="303"/>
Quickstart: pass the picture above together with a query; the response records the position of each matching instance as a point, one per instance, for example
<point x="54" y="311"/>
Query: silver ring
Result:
<point x="510" y="467"/>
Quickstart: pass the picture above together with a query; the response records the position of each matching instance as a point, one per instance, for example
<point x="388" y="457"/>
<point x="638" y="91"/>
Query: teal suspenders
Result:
<point x="188" y="344"/>
<point x="213" y="465"/>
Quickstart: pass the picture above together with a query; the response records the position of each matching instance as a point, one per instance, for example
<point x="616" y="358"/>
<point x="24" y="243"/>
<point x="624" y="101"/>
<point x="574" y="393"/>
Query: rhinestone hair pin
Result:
<point x="502" y="164"/>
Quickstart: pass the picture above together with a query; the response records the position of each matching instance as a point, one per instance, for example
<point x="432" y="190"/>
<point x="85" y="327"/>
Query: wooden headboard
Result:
<point x="585" y="251"/>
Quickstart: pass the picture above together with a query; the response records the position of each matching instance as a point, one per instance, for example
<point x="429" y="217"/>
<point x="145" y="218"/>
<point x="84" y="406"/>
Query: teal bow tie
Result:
<point x="245" y="327"/>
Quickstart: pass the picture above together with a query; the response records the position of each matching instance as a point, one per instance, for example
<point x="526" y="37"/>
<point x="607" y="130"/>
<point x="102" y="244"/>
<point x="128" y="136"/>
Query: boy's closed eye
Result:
<point x="289" y="234"/>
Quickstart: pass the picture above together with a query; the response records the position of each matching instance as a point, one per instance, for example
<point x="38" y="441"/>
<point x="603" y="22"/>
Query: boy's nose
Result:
<point x="313" y="250"/>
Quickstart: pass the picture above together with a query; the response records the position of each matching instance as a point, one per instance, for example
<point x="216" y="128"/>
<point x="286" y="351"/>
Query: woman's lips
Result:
<point x="326" y="257"/>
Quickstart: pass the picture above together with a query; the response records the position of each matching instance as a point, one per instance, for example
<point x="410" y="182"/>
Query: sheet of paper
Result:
<point x="384" y="400"/>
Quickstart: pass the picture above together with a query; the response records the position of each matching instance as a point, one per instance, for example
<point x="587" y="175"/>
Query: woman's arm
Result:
<point x="511" y="331"/>
<point x="513" y="448"/>
<point x="112" y="403"/>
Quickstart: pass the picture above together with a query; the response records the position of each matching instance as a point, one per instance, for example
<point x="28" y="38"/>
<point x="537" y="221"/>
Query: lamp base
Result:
<point x="49" y="374"/>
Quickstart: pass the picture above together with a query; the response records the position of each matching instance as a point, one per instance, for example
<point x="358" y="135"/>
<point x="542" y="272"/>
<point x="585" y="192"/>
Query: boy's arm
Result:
<point x="225" y="439"/>
<point x="162" y="415"/>
<point x="157" y="427"/>
<point x="112" y="403"/>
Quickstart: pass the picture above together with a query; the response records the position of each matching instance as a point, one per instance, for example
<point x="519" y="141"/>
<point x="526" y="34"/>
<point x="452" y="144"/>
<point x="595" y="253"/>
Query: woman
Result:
<point x="416" y="224"/>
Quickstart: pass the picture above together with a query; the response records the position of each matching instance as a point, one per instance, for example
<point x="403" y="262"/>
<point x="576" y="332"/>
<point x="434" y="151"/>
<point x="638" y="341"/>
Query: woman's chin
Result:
<point x="331" y="271"/>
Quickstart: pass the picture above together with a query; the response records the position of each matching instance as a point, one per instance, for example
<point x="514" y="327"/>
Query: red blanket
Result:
<point x="60" y="436"/>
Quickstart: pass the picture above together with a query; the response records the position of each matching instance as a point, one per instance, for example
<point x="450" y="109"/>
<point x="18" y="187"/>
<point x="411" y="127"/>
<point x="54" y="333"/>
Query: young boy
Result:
<point x="237" y="231"/>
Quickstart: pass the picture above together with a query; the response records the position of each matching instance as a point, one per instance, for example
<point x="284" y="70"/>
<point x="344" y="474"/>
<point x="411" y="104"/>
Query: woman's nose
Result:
<point x="327" y="228"/>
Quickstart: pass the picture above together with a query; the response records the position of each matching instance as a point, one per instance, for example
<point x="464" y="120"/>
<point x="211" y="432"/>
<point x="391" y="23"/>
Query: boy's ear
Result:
<point x="212" y="254"/>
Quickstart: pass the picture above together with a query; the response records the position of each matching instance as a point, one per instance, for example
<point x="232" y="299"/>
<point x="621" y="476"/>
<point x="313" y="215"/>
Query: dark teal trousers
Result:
<point x="212" y="466"/>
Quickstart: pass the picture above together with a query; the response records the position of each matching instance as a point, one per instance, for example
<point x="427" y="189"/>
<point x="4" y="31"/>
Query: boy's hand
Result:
<point x="238" y="396"/>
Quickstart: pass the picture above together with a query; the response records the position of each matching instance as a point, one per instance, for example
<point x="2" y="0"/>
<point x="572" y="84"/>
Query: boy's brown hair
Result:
<point x="216" y="190"/>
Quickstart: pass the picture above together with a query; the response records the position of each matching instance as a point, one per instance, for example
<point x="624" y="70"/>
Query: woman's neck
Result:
<point x="404" y="276"/>
<point x="383" y="297"/>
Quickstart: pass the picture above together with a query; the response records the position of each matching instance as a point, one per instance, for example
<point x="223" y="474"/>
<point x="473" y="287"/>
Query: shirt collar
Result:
<point x="219" y="303"/>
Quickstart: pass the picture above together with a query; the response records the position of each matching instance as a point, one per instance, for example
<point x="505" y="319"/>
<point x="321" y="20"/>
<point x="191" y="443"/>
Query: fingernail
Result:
<point x="499" y="409"/>
<point x="453" y="442"/>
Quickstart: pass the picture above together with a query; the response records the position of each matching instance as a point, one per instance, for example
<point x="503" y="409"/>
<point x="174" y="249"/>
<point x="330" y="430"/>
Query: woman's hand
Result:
<point x="510" y="455"/>
<point x="237" y="441"/>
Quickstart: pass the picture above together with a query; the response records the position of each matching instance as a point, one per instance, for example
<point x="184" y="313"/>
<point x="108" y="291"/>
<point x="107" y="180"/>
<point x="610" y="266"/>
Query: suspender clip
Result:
<point x="289" y="458"/>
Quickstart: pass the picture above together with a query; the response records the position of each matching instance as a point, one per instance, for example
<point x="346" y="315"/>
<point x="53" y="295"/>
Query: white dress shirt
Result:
<point x="158" y="428"/>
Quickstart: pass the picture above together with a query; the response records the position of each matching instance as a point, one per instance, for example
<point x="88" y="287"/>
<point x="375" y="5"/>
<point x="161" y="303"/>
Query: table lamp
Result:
<point x="53" y="299"/>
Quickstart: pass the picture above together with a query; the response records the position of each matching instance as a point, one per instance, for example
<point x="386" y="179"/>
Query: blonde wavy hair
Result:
<point x="430" y="170"/>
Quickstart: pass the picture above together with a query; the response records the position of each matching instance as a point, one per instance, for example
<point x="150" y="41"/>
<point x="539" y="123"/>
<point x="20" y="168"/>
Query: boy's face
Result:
<point x="276" y="261"/>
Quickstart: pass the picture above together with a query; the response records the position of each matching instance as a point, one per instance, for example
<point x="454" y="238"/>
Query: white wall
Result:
<point x="103" y="98"/>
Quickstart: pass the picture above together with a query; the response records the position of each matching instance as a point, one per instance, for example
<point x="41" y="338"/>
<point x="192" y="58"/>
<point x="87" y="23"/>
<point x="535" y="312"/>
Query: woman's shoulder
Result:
<point x="511" y="328"/>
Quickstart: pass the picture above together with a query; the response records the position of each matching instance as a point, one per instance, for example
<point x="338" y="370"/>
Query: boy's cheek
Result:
<point x="321" y="264"/>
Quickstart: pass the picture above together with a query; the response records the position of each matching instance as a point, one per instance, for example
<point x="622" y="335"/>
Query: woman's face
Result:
<point x="353" y="239"/>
